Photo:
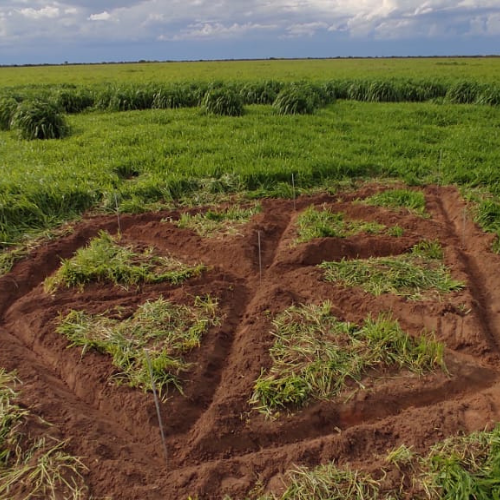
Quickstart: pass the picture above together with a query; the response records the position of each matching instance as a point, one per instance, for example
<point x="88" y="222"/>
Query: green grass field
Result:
<point x="483" y="69"/>
<point x="140" y="158"/>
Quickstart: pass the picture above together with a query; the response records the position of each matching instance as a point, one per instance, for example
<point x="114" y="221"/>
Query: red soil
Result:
<point x="217" y="445"/>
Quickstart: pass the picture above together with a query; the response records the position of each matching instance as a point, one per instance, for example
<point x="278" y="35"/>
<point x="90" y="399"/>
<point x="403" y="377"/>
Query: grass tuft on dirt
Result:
<point x="316" y="356"/>
<point x="460" y="467"/>
<point x="413" y="201"/>
<point x="417" y="275"/>
<point x="39" y="468"/>
<point x="215" y="223"/>
<point x="166" y="330"/>
<point x="105" y="260"/>
<point x="313" y="223"/>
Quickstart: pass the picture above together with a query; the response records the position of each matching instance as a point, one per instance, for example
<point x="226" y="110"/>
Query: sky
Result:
<point x="78" y="31"/>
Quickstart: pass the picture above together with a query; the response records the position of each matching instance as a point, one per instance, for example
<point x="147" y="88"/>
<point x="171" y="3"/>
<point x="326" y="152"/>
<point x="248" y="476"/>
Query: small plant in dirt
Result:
<point x="39" y="120"/>
<point x="414" y="201"/>
<point x="104" y="260"/>
<point x="223" y="101"/>
<point x="296" y="100"/>
<point x="316" y="356"/>
<point x="396" y="231"/>
<point x="215" y="223"/>
<point x="313" y="223"/>
<point x="461" y="467"/>
<point x="33" y="468"/>
<point x="9" y="257"/>
<point x="416" y="275"/>
<point x="8" y="106"/>
<point x="166" y="330"/>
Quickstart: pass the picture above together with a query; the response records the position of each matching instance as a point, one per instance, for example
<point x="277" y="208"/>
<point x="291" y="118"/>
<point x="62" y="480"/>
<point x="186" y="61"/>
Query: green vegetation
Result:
<point x="415" y="275"/>
<point x="166" y="330"/>
<point x="172" y="156"/>
<point x="38" y="120"/>
<point x="414" y="201"/>
<point x="448" y="69"/>
<point x="8" y="106"/>
<point x="296" y="100"/>
<point x="313" y="223"/>
<point x="214" y="223"/>
<point x="315" y="355"/>
<point x="38" y="469"/>
<point x="105" y="260"/>
<point x="224" y="102"/>
<point x="462" y="467"/>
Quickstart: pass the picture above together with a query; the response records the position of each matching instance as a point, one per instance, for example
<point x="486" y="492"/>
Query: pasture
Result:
<point x="297" y="301"/>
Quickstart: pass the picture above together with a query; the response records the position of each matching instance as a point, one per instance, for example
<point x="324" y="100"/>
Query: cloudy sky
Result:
<point x="41" y="31"/>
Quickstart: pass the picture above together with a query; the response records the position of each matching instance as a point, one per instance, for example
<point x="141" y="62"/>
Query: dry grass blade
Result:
<point x="33" y="470"/>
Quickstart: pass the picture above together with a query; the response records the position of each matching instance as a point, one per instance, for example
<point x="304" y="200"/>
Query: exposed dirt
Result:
<point x="217" y="445"/>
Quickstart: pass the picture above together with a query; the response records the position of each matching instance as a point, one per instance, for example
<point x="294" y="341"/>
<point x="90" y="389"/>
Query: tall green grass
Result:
<point x="447" y="69"/>
<point x="177" y="154"/>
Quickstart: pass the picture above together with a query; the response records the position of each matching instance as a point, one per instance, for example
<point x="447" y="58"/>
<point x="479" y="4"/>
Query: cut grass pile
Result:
<point x="105" y="260"/>
<point x="316" y="356"/>
<point x="313" y="223"/>
<point x="168" y="331"/>
<point x="416" y="275"/>
<point x="462" y="467"/>
<point x="214" y="223"/>
<point x="414" y="201"/>
<point x="38" y="469"/>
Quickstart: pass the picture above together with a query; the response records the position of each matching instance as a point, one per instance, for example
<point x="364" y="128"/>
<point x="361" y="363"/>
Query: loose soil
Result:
<point x="217" y="445"/>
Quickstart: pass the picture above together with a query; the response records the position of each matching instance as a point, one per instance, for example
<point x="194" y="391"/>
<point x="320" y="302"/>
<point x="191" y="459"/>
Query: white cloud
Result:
<point x="123" y="21"/>
<point x="47" y="12"/>
<point x="210" y="30"/>
<point x="305" y="29"/>
<point x="103" y="16"/>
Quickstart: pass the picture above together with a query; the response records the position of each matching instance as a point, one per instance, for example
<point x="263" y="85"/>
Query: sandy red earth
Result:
<point x="217" y="444"/>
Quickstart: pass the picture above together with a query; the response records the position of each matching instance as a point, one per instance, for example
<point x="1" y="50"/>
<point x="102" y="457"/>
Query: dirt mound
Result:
<point x="217" y="444"/>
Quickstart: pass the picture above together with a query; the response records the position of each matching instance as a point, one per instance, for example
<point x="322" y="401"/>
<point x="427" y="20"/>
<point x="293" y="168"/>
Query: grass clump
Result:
<point x="215" y="223"/>
<point x="39" y="120"/>
<point x="414" y="201"/>
<point x="38" y="469"/>
<point x="315" y="355"/>
<point x="296" y="100"/>
<point x="9" y="257"/>
<point x="8" y="106"/>
<point x="166" y="330"/>
<point x="329" y="482"/>
<point x="223" y="101"/>
<point x="104" y="260"/>
<point x="416" y="275"/>
<point x="460" y="467"/>
<point x="313" y="223"/>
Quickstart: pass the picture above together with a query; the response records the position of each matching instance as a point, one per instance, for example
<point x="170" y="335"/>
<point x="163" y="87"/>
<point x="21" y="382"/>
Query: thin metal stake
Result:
<point x="260" y="257"/>
<point x="157" y="404"/>
<point x="293" y="190"/>
<point x="439" y="176"/>
<point x="118" y="214"/>
<point x="464" y="220"/>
